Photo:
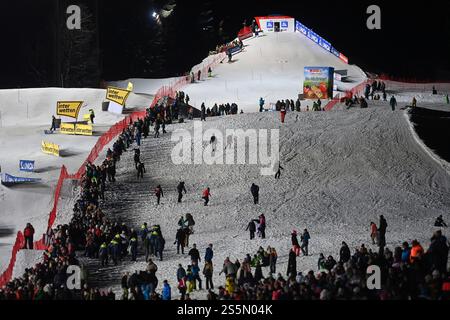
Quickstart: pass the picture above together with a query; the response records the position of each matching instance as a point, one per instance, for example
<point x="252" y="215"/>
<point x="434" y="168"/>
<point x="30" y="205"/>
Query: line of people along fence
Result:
<point x="105" y="139"/>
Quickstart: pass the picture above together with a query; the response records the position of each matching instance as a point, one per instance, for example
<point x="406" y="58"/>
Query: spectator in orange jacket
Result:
<point x="416" y="251"/>
<point x="28" y="233"/>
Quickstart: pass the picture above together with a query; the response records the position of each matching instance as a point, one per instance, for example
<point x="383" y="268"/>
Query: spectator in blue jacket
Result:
<point x="166" y="291"/>
<point x="209" y="254"/>
<point x="405" y="252"/>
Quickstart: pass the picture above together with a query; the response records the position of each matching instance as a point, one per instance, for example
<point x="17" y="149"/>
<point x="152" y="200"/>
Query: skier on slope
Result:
<point x="254" y="189"/>
<point x="159" y="193"/>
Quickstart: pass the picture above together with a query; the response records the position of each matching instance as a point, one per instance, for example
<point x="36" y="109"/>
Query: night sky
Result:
<point x="414" y="41"/>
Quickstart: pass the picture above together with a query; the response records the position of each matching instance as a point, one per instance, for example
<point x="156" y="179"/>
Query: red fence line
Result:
<point x="350" y="93"/>
<point x="105" y="139"/>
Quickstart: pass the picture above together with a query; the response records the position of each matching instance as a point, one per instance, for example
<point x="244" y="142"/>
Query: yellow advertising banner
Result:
<point x="87" y="117"/>
<point x="67" y="128"/>
<point x="50" y="148"/>
<point x="68" y="108"/>
<point x="78" y="129"/>
<point x="83" y="129"/>
<point x="117" y="95"/>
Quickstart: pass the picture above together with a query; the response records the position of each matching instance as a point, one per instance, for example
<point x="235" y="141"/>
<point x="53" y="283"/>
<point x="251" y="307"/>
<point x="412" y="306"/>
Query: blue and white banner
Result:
<point x="301" y="28"/>
<point x="335" y="52"/>
<point x="325" y="44"/>
<point x="26" y="165"/>
<point x="284" y="24"/>
<point x="313" y="36"/>
<point x="269" y="24"/>
<point x="9" y="179"/>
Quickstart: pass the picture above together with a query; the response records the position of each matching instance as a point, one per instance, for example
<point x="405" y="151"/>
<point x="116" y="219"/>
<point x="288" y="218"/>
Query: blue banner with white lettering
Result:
<point x="8" y="179"/>
<point x="26" y="165"/>
<point x="335" y="52"/>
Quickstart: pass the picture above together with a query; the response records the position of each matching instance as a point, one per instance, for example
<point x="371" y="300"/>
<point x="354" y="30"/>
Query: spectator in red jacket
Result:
<point x="28" y="233"/>
<point x="206" y="195"/>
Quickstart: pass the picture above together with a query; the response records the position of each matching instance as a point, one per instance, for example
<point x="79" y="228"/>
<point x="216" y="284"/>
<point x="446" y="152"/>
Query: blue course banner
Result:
<point x="269" y="24"/>
<point x="8" y="179"/>
<point x="26" y="165"/>
<point x="301" y="28"/>
<point x="313" y="36"/>
<point x="335" y="52"/>
<point x="325" y="44"/>
<point x="285" y="24"/>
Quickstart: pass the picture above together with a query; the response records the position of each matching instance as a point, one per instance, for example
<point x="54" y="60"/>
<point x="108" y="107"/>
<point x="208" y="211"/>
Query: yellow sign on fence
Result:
<point x="83" y="129"/>
<point x="67" y="128"/>
<point x="117" y="95"/>
<point x="78" y="129"/>
<point x="50" y="148"/>
<point x="68" y="108"/>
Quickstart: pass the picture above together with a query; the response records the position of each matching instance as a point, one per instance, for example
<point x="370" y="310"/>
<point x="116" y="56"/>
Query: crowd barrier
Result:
<point x="350" y="93"/>
<point x="104" y="140"/>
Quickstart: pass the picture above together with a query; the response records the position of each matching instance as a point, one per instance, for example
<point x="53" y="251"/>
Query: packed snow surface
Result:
<point x="342" y="170"/>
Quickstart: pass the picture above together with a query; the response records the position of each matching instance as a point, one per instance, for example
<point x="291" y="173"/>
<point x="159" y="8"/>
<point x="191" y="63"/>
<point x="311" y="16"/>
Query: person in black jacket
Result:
<point x="255" y="193"/>
<point x="292" y="264"/>
<point x="344" y="253"/>
<point x="180" y="189"/>
<point x="180" y="239"/>
<point x="195" y="254"/>
<point x="382" y="233"/>
<point x="140" y="170"/>
<point x="252" y="228"/>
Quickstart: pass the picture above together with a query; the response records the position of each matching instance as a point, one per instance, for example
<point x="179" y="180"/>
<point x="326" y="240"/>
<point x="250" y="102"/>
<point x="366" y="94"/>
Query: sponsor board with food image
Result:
<point x="318" y="83"/>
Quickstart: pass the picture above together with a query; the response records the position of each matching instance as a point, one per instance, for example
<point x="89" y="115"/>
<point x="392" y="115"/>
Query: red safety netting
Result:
<point x="7" y="274"/>
<point x="348" y="94"/>
<point x="104" y="140"/>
